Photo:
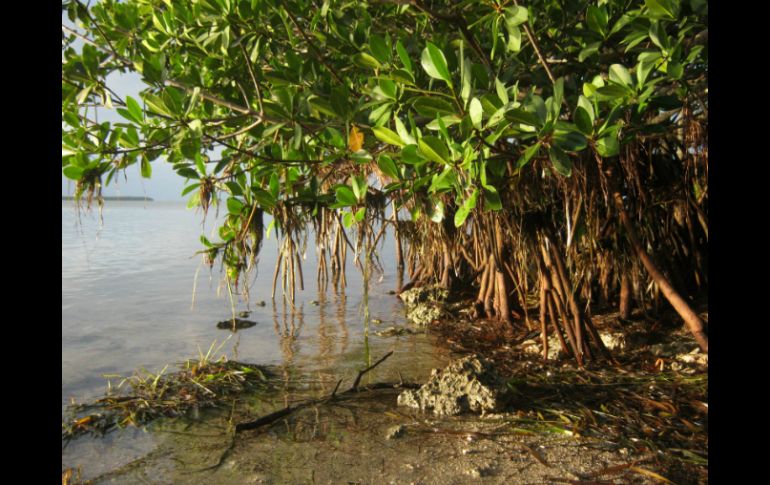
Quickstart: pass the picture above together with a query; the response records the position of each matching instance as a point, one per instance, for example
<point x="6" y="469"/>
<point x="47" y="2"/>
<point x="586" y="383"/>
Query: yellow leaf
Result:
<point x="83" y="421"/>
<point x="651" y="474"/>
<point x="65" y="476"/>
<point x="355" y="139"/>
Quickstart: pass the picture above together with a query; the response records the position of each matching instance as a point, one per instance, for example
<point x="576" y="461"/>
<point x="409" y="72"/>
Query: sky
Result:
<point x="165" y="184"/>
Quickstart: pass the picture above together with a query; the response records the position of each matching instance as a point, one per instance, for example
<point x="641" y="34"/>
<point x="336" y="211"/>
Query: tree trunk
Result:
<point x="625" y="296"/>
<point x="543" y="308"/>
<point x="399" y="249"/>
<point x="446" y="274"/>
<point x="694" y="323"/>
<point x="504" y="311"/>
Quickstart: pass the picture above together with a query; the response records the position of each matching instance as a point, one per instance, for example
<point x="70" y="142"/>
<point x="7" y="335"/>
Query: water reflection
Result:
<point x="139" y="267"/>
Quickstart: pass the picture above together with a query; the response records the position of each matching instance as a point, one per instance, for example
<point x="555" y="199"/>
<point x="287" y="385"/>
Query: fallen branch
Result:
<point x="273" y="417"/>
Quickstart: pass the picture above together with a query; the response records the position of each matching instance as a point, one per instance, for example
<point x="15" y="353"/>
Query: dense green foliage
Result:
<point x="473" y="116"/>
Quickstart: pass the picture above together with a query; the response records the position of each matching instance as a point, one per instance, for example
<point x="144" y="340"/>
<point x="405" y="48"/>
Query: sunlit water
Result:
<point x="127" y="303"/>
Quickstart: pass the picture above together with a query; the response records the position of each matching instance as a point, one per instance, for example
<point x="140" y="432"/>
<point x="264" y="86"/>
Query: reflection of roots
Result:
<point x="330" y="422"/>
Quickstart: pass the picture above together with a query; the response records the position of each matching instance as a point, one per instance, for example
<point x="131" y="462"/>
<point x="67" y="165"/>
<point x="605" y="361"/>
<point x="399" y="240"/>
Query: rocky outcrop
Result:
<point x="424" y="304"/>
<point x="467" y="384"/>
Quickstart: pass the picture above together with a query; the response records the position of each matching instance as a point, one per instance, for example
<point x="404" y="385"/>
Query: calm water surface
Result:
<point x="127" y="302"/>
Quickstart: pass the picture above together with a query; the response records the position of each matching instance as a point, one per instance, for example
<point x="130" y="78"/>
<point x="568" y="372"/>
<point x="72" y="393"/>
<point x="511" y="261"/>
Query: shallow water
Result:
<point x="127" y="294"/>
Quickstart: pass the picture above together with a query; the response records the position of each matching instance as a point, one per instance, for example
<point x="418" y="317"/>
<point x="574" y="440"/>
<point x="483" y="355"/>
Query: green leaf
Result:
<point x="558" y="95"/>
<point x="514" y="39"/>
<point x="73" y="173"/>
<point x="442" y="181"/>
<point x="434" y="149"/>
<point x="274" y="185"/>
<point x="608" y="146"/>
<point x="501" y="92"/>
<point x="233" y="187"/>
<point x="568" y="138"/>
<point x="156" y="104"/>
<point x="612" y="91"/>
<point x="362" y="59"/>
<point x="461" y="215"/>
<point x="658" y="36"/>
<point x="515" y="16"/>
<point x="588" y="51"/>
<point x="189" y="189"/>
<point x="146" y="168"/>
<point x="234" y="206"/>
<point x="381" y="115"/>
<point x="264" y="199"/>
<point x="194" y="201"/>
<point x="492" y="199"/>
<point x="528" y="154"/>
<point x="433" y="106"/>
<point x="465" y="91"/>
<point x="675" y="70"/>
<point x="596" y="18"/>
<point x="404" y="56"/>
<point x="199" y="164"/>
<point x="620" y="75"/>
<point x="525" y="117"/>
<point x="438" y="212"/>
<point x="465" y="209"/>
<point x="188" y="173"/>
<point x="434" y="63"/>
<point x="347" y="219"/>
<point x="584" y="103"/>
<point x="406" y="137"/>
<point x="560" y="161"/>
<point x="388" y="167"/>
<point x="443" y="120"/>
<point x="359" y="188"/>
<point x="410" y="155"/>
<point x="345" y="196"/>
<point x="668" y="9"/>
<point x="476" y="111"/>
<point x="388" y="88"/>
<point x="379" y="48"/>
<point x="388" y="136"/>
<point x="360" y="214"/>
<point x="583" y="120"/>
<point x="647" y="61"/>
<point x="134" y="109"/>
<point x="402" y="76"/>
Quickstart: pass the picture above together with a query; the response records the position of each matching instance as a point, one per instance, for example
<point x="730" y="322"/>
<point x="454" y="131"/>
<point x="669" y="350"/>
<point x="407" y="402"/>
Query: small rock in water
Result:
<point x="394" y="331"/>
<point x="243" y="314"/>
<point x="261" y="303"/>
<point x="467" y="384"/>
<point x="239" y="324"/>
<point x="391" y="292"/>
<point x="376" y="321"/>
<point x="314" y="303"/>
<point x="395" y="432"/>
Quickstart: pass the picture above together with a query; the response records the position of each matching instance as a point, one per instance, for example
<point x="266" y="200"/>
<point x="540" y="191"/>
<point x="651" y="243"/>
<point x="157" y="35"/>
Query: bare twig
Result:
<point x="361" y="373"/>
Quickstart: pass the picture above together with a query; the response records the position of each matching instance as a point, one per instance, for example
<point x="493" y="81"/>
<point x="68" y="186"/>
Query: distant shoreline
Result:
<point x="120" y="198"/>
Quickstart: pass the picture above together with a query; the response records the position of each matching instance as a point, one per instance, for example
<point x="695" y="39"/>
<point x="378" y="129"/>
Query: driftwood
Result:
<point x="355" y="388"/>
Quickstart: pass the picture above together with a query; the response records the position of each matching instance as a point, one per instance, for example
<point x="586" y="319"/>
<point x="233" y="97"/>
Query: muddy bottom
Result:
<point x="352" y="441"/>
<point x="367" y="438"/>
